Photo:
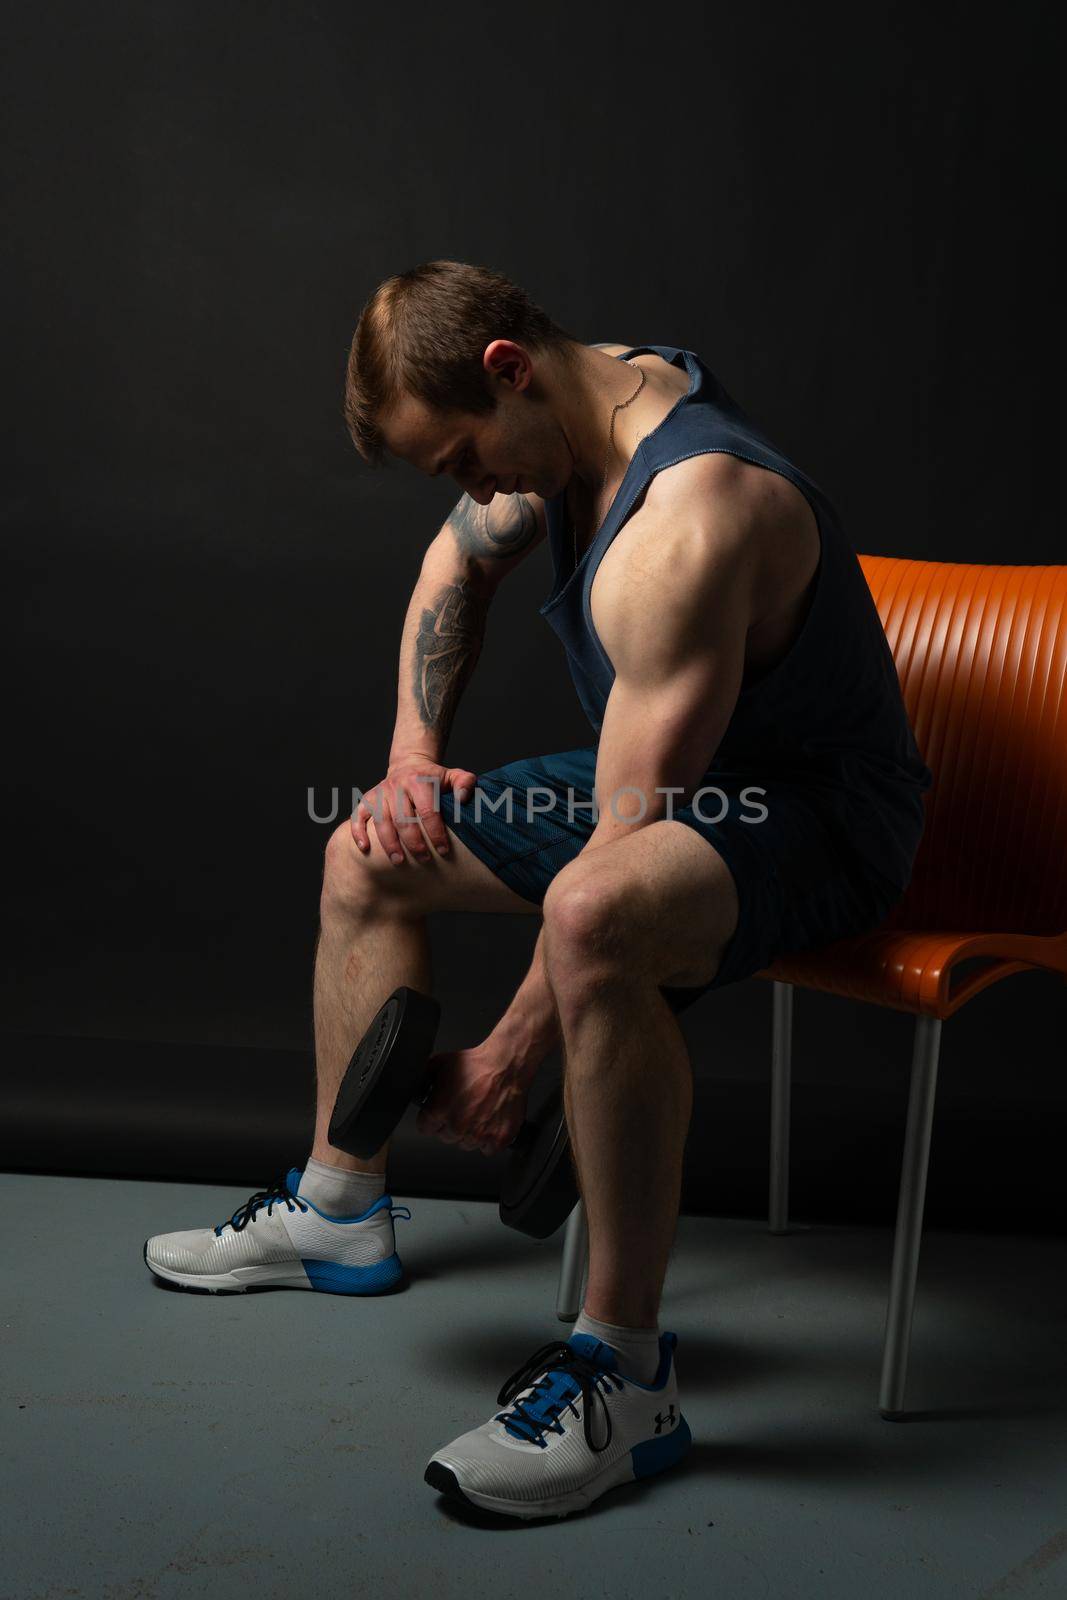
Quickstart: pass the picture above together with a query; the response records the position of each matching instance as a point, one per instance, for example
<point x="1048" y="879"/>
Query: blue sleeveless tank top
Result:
<point x="830" y="714"/>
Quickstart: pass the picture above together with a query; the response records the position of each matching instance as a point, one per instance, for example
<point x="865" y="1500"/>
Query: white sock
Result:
<point x="637" y="1348"/>
<point x="337" y="1191"/>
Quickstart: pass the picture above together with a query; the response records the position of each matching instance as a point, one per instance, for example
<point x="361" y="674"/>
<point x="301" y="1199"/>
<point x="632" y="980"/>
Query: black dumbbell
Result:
<point x="390" y="1069"/>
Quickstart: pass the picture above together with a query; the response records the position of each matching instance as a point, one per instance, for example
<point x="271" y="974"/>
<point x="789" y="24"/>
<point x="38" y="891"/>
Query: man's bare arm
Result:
<point x="674" y="622"/>
<point x="500" y="534"/>
<point x="445" y="623"/>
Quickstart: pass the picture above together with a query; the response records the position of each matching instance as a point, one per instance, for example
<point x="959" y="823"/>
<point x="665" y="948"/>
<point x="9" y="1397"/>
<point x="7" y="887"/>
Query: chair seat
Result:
<point x="918" y="970"/>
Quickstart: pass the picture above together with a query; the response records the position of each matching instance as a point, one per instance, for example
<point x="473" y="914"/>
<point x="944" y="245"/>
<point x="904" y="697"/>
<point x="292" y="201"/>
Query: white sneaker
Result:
<point x="300" y="1247"/>
<point x="575" y="1428"/>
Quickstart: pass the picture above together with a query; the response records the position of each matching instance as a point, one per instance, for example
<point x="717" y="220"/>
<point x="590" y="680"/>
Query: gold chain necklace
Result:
<point x="621" y="406"/>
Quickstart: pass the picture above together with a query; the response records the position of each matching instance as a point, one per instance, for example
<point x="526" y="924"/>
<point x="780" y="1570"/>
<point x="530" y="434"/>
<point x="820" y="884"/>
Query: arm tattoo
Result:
<point x="447" y="646"/>
<point x="493" y="530"/>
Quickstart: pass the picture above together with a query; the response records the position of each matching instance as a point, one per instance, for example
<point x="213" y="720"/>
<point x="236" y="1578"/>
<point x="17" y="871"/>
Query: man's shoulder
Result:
<point x="694" y="518"/>
<point x="702" y="487"/>
<point x="710" y="521"/>
<point x="723" y="526"/>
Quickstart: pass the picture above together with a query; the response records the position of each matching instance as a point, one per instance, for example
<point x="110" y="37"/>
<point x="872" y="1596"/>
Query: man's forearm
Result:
<point x="441" y="642"/>
<point x="529" y="1028"/>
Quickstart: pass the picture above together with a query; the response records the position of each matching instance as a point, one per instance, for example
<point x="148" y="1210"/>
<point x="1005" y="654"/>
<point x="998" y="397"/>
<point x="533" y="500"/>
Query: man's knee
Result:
<point x="598" y="926"/>
<point x="361" y="887"/>
<point x="355" y="885"/>
<point x="587" y="920"/>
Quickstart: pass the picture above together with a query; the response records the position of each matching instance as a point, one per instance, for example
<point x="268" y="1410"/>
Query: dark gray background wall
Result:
<point x="845" y="210"/>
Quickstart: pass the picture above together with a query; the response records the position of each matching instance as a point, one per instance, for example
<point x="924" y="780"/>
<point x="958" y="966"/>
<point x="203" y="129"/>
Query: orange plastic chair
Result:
<point x="981" y="652"/>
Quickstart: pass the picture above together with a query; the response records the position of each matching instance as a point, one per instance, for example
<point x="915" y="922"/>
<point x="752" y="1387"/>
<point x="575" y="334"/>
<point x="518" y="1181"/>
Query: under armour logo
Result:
<point x="667" y="1421"/>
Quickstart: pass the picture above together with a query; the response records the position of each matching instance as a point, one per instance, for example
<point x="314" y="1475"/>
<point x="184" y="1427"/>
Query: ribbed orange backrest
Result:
<point x="981" y="652"/>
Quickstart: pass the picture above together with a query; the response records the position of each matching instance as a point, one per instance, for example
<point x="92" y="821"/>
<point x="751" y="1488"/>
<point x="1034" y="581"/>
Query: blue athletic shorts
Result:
<point x="795" y="888"/>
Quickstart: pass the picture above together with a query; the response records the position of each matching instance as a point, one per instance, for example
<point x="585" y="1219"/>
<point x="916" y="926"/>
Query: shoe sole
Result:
<point x="325" y="1276"/>
<point x="630" y="1468"/>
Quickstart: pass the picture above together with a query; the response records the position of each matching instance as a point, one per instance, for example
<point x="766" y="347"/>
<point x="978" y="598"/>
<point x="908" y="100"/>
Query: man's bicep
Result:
<point x="498" y="536"/>
<point x="672" y="724"/>
<point x="675" y="594"/>
<point x="674" y="626"/>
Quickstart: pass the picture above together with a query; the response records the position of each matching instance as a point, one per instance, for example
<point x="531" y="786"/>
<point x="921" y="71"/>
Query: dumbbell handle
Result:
<point x="525" y="1136"/>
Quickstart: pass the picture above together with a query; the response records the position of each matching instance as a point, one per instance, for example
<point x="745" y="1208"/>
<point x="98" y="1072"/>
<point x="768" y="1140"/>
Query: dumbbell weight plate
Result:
<point x="539" y="1190"/>
<point x="388" y="1070"/>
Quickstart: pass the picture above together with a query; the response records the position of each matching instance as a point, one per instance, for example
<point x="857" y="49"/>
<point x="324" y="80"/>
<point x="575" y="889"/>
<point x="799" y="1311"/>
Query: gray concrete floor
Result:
<point x="159" y="1445"/>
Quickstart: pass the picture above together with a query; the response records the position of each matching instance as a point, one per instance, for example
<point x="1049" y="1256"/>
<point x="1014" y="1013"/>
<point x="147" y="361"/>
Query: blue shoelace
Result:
<point x="557" y="1374"/>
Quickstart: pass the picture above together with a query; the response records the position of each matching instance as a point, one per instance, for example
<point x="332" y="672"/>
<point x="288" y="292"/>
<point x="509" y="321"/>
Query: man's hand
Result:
<point x="476" y="1101"/>
<point x="404" y="807"/>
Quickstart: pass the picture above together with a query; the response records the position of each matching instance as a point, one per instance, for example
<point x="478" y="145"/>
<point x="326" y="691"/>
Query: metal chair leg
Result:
<point x="909" y="1216"/>
<point x="781" y="1075"/>
<point x="572" y="1266"/>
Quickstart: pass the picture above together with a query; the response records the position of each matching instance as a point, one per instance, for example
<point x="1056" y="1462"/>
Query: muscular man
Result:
<point x="753" y="789"/>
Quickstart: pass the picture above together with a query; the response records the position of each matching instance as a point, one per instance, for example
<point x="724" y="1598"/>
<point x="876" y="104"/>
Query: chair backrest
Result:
<point x="981" y="653"/>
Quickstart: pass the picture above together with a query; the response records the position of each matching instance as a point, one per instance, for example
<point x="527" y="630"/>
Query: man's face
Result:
<point x="514" y="448"/>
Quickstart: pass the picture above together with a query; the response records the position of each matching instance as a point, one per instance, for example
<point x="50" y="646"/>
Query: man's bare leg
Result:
<point x="358" y="964"/>
<point x="634" y="1115"/>
<point x="654" y="908"/>
<point x="372" y="938"/>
